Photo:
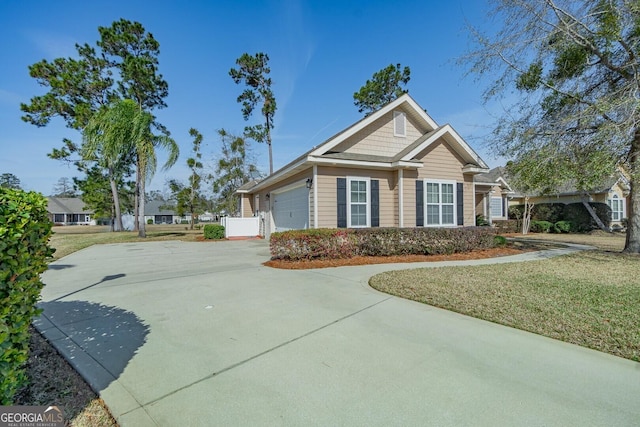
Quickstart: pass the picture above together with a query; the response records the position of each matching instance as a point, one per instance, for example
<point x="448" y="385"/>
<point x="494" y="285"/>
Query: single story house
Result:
<point x="157" y="212"/>
<point x="69" y="211"/>
<point x="614" y="191"/>
<point x="396" y="167"/>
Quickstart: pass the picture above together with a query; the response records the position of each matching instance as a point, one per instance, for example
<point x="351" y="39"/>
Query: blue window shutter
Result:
<point x="419" y="203"/>
<point x="342" y="202"/>
<point x="460" y="200"/>
<point x="375" y="203"/>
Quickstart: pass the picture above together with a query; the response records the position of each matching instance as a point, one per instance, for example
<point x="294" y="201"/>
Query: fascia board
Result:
<point x="372" y="118"/>
<point x="270" y="180"/>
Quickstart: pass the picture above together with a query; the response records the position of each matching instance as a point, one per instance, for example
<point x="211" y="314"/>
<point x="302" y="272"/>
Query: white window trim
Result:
<point x="622" y="203"/>
<point x="455" y="202"/>
<point x="502" y="210"/>
<point x="396" y="116"/>
<point x="368" y="190"/>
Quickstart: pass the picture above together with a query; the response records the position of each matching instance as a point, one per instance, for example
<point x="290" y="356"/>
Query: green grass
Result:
<point x="590" y="298"/>
<point x="69" y="239"/>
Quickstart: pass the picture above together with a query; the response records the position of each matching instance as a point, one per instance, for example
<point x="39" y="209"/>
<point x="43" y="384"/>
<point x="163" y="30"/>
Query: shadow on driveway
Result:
<point x="98" y="340"/>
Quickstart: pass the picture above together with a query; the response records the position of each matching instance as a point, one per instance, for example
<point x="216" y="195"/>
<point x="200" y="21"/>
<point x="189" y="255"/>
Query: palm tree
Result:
<point x="123" y="130"/>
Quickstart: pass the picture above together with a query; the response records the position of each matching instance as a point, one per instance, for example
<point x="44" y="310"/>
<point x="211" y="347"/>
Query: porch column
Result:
<point x="488" y="216"/>
<point x="400" y="198"/>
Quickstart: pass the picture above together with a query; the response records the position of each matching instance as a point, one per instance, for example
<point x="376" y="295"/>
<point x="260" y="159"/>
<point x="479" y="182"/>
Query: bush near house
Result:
<point x="575" y="214"/>
<point x="541" y="226"/>
<point x="346" y="243"/>
<point x="213" y="231"/>
<point x="24" y="236"/>
<point x="581" y="220"/>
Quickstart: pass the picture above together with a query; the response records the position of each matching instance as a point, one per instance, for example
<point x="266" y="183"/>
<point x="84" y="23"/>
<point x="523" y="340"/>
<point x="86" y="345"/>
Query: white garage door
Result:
<point x="291" y="209"/>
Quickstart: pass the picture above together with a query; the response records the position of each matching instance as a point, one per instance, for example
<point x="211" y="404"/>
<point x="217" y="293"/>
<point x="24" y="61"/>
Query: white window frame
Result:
<point x="491" y="201"/>
<point x="399" y="115"/>
<point x="440" y="203"/>
<point x="619" y="213"/>
<point x="351" y="179"/>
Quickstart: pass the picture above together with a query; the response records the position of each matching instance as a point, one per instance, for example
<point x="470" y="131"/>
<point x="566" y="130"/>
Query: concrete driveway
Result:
<point x="175" y="333"/>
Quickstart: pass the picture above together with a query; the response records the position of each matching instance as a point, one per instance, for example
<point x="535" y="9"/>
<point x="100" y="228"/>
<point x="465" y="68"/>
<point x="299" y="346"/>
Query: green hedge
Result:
<point x="581" y="220"/>
<point x="541" y="226"/>
<point x="346" y="243"/>
<point x="575" y="214"/>
<point x="214" y="231"/>
<point x="24" y="235"/>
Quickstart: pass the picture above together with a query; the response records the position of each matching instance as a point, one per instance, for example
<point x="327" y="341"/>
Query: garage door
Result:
<point x="291" y="209"/>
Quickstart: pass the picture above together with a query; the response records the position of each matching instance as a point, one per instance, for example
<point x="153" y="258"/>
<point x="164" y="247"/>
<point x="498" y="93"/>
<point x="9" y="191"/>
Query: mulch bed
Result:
<point x="365" y="260"/>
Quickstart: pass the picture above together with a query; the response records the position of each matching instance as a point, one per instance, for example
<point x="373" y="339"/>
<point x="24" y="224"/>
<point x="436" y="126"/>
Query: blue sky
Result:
<point x="321" y="53"/>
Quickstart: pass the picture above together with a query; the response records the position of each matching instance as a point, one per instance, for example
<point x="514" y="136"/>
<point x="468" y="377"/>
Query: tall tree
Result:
<point x="133" y="51"/>
<point x="124" y="129"/>
<point x="576" y="66"/>
<point x="189" y="198"/>
<point x="384" y="87"/>
<point x="9" y="180"/>
<point x="233" y="169"/>
<point x="64" y="188"/>
<point x="253" y="71"/>
<point x="124" y="65"/>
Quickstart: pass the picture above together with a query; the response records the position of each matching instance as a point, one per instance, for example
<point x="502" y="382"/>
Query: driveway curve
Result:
<point x="176" y="333"/>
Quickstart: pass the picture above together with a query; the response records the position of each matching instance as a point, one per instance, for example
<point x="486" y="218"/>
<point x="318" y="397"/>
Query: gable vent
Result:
<point x="399" y="123"/>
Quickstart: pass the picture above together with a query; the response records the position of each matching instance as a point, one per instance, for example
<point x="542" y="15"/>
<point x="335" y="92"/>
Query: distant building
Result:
<point x="69" y="211"/>
<point x="156" y="211"/>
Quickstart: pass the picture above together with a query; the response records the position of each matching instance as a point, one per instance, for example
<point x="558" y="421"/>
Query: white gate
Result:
<point x="240" y="227"/>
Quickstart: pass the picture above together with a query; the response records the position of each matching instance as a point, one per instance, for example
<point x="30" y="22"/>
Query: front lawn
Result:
<point x="589" y="298"/>
<point x="72" y="238"/>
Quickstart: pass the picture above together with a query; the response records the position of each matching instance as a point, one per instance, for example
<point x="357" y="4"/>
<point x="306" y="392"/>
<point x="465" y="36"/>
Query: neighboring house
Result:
<point x="614" y="191"/>
<point x="69" y="211"/>
<point x="492" y="195"/>
<point x="156" y="211"/>
<point x="394" y="168"/>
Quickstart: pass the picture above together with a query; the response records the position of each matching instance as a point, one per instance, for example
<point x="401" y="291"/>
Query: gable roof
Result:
<point x="68" y="205"/>
<point x="157" y="207"/>
<point x="323" y="154"/>
<point x="495" y="176"/>
<point x="570" y="188"/>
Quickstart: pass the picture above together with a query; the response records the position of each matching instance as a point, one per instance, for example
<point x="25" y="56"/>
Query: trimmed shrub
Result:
<point x="213" y="231"/>
<point x="345" y="243"/>
<point x="313" y="243"/>
<point x="551" y="212"/>
<point x="24" y="236"/>
<point x="481" y="220"/>
<point x="540" y="226"/>
<point x="499" y="241"/>
<point x="580" y="218"/>
<point x="562" y="227"/>
<point x="149" y="221"/>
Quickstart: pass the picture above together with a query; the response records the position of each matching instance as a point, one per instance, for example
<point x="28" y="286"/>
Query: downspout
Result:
<point x="315" y="196"/>
<point x="401" y="198"/>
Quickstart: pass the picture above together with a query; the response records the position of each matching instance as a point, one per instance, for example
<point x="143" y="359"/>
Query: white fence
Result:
<point x="240" y="227"/>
